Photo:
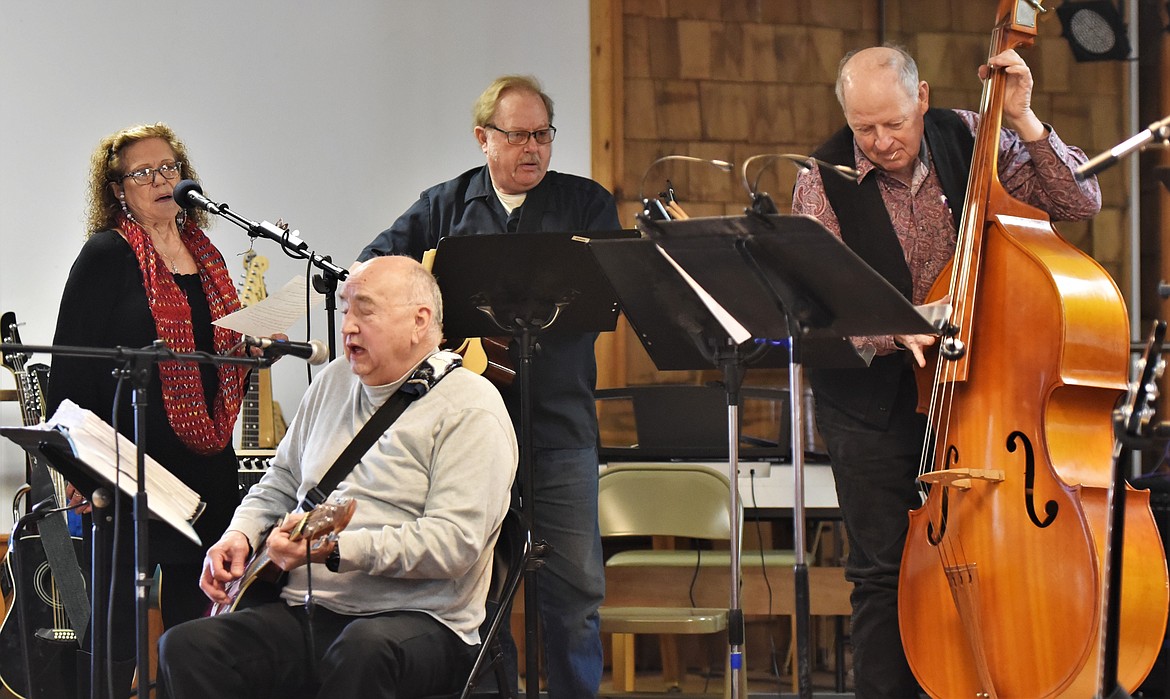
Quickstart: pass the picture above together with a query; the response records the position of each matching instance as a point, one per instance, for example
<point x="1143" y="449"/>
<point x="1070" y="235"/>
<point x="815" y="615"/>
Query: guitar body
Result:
<point x="487" y="356"/>
<point x="51" y="643"/>
<point x="262" y="579"/>
<point x="252" y="590"/>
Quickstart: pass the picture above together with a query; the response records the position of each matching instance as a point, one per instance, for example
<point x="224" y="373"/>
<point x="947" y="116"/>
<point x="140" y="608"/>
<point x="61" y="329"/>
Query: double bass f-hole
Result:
<point x="1050" y="507"/>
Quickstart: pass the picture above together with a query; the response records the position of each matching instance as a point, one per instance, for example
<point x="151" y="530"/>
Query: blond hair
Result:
<point x="485" y="107"/>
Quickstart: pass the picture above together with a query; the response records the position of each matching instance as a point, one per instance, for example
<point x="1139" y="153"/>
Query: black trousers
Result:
<point x="874" y="470"/>
<point x="273" y="651"/>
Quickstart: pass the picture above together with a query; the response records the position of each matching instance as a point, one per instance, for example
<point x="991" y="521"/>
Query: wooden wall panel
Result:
<point x="728" y="79"/>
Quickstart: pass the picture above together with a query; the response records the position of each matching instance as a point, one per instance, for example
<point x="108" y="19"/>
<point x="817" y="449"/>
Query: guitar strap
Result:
<point x="62" y="559"/>
<point x="429" y="373"/>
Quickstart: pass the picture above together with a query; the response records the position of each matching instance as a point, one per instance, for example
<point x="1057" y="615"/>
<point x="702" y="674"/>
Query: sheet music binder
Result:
<point x="170" y="500"/>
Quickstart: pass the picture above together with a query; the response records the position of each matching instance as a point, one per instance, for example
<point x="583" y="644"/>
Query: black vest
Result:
<point x="868" y="394"/>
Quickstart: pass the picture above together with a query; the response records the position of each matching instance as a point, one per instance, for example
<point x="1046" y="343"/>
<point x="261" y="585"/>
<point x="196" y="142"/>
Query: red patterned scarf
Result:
<point x="182" y="388"/>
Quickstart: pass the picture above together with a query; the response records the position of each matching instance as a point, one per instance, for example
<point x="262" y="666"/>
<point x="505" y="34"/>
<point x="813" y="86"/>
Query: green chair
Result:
<point x="668" y="499"/>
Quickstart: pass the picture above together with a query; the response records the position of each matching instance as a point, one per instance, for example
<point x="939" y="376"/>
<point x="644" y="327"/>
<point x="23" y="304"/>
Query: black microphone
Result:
<point x="653" y="209"/>
<point x="763" y="204"/>
<point x="314" y="351"/>
<point x="1104" y="161"/>
<point x="189" y="195"/>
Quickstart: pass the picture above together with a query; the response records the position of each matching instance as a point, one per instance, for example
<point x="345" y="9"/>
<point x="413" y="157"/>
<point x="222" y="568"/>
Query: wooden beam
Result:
<point x="606" y="88"/>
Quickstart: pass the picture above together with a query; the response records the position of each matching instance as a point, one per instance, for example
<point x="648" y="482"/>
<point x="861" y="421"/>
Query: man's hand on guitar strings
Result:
<point x="224" y="562"/>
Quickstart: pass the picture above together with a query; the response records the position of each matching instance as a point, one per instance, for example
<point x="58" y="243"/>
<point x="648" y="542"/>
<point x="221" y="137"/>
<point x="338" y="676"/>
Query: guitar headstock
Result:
<point x="254" y="290"/>
<point x="1137" y="410"/>
<point x="13" y="361"/>
<point x="325" y="519"/>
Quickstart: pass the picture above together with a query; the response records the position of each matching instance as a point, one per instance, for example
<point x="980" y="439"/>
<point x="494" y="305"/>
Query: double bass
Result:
<point x="1002" y="577"/>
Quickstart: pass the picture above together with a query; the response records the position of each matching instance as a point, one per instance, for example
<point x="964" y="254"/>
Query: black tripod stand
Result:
<point x="527" y="287"/>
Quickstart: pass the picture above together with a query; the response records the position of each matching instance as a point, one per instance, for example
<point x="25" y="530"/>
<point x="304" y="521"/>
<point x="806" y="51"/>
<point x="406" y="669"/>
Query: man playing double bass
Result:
<point x="902" y="218"/>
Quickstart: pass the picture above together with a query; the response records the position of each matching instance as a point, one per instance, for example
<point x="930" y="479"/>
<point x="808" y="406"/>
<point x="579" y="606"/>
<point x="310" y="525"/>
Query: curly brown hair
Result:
<point x="105" y="167"/>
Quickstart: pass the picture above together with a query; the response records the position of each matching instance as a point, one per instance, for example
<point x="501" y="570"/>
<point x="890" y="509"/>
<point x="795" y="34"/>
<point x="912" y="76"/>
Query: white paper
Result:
<point x="734" y="329"/>
<point x="275" y="314"/>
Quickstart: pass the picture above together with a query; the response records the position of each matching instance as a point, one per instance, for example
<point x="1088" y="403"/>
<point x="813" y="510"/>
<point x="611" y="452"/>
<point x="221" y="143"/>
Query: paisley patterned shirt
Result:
<point x="1039" y="173"/>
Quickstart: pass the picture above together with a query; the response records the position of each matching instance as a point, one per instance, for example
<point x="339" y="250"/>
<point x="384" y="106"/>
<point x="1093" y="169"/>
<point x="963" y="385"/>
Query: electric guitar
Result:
<point x="263" y="424"/>
<point x="51" y="641"/>
<point x="262" y="579"/>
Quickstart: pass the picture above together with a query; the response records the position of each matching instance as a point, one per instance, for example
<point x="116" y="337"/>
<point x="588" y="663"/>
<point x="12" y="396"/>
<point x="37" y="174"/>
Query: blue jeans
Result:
<point x="571" y="584"/>
<point x="874" y="470"/>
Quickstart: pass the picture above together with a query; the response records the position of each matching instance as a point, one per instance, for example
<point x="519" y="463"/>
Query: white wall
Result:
<point x="330" y="115"/>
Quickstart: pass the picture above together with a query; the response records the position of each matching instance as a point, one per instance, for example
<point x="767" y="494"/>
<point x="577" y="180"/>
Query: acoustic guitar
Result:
<point x="51" y="641"/>
<point x="262" y="579"/>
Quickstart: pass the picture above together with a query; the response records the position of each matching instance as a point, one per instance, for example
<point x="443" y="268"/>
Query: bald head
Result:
<point x="884" y="67"/>
<point x="393" y="317"/>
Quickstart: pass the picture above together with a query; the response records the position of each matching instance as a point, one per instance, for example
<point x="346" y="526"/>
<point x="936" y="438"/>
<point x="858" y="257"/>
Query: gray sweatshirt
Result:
<point x="430" y="494"/>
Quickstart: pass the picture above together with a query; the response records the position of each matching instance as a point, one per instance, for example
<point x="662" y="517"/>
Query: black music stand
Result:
<point x="808" y="296"/>
<point x="526" y="286"/>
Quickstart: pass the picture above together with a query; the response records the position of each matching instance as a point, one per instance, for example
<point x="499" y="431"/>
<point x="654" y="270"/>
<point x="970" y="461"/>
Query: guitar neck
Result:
<point x="30" y="392"/>
<point x="259" y="428"/>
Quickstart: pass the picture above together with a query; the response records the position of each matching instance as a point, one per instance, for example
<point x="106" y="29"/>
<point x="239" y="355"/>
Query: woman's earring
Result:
<point x="181" y="219"/>
<point x="125" y="210"/>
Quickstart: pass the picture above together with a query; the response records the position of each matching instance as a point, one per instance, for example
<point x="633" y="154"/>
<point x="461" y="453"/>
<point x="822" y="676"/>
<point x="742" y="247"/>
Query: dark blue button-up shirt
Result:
<point x="564" y="371"/>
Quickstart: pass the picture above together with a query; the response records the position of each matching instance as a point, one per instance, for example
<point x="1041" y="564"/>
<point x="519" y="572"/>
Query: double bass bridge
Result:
<point x="962" y="478"/>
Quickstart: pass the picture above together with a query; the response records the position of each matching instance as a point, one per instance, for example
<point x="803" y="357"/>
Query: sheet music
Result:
<point x="92" y="442"/>
<point x="734" y="329"/>
<point x="274" y="314"/>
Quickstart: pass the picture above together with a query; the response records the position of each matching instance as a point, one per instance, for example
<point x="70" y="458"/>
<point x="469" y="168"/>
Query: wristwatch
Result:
<point x="333" y="560"/>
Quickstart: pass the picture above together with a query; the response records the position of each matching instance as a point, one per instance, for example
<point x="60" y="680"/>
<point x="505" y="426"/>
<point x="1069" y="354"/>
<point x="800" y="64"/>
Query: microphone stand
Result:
<point x="658" y="213"/>
<point x="324" y="283"/>
<point x="1103" y="161"/>
<point x="761" y="202"/>
<point x="136" y="368"/>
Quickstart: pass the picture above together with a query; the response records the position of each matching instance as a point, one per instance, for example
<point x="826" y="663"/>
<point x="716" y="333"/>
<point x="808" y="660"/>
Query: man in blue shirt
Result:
<point x="515" y="192"/>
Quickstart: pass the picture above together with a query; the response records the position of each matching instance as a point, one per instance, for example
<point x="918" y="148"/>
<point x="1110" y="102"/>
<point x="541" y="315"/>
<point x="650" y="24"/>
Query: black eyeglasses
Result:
<point x="519" y="138"/>
<point x="169" y="171"/>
